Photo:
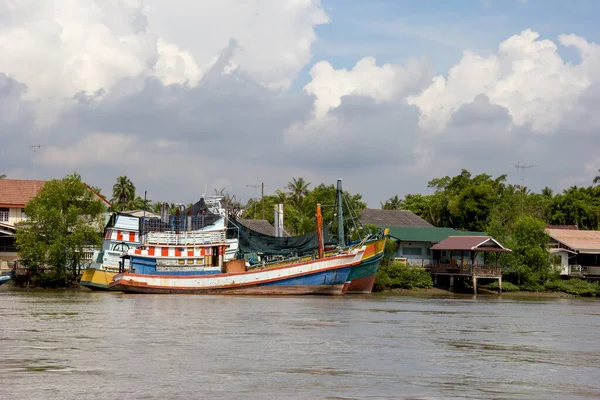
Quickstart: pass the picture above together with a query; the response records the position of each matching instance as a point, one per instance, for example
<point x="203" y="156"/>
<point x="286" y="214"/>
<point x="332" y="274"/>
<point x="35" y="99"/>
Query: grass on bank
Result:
<point x="574" y="286"/>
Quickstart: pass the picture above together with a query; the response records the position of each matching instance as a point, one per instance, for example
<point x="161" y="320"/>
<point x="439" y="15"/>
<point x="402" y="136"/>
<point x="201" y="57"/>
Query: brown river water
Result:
<point x="81" y="344"/>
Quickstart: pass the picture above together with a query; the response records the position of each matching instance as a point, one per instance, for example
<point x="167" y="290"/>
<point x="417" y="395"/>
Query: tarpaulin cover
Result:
<point x="252" y="241"/>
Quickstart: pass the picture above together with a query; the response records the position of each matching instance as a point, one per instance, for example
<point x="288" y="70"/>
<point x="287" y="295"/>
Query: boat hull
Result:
<point x="362" y="276"/>
<point x="97" y="279"/>
<point x="317" y="277"/>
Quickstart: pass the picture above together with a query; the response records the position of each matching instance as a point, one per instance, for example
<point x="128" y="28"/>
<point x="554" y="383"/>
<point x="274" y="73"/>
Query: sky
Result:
<point x="187" y="98"/>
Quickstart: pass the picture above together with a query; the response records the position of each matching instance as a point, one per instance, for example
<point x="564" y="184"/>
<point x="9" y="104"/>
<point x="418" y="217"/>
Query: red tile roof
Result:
<point x="470" y="243"/>
<point x="16" y="193"/>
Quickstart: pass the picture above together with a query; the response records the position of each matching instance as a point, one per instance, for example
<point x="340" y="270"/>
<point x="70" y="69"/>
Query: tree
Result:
<point x="298" y="189"/>
<point x="3" y="176"/>
<point x="529" y="263"/>
<point x="64" y="221"/>
<point x="597" y="179"/>
<point x="393" y="203"/>
<point x="123" y="193"/>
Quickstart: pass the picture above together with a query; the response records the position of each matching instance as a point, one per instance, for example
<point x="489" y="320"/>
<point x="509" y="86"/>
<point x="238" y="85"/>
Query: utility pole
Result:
<point x="262" y="196"/>
<point x="522" y="169"/>
<point x="35" y="149"/>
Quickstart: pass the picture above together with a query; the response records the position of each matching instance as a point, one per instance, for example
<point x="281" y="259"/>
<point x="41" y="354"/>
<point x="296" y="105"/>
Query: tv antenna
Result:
<point x="522" y="168"/>
<point x="35" y="148"/>
<point x="262" y="196"/>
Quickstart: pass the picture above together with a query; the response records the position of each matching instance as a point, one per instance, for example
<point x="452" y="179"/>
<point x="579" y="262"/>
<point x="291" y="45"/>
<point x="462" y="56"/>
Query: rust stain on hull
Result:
<point x="274" y="290"/>
<point x="361" y="285"/>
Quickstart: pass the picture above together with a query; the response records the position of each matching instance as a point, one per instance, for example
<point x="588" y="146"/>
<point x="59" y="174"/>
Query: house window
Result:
<point x="412" y="251"/>
<point x="3" y="214"/>
<point x="23" y="215"/>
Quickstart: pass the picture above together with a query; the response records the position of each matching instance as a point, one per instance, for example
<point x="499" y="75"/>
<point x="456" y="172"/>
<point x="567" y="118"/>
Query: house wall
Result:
<point x="456" y="256"/>
<point x="415" y="253"/>
<point x="15" y="214"/>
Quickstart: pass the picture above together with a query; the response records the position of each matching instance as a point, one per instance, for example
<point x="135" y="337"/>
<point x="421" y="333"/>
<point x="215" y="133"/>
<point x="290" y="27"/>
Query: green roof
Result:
<point x="424" y="234"/>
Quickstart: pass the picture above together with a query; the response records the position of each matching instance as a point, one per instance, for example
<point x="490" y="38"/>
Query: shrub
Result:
<point x="574" y="286"/>
<point x="506" y="286"/>
<point x="398" y="275"/>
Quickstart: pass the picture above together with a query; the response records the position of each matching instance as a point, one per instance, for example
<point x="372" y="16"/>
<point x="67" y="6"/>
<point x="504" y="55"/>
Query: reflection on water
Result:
<point x="114" y="346"/>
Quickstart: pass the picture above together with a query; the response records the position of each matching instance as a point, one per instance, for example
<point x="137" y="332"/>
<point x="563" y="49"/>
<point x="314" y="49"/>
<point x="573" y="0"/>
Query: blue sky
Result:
<point x="394" y="30"/>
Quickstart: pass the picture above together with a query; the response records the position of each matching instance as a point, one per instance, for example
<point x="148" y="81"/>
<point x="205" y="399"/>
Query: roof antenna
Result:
<point x="522" y="168"/>
<point x="35" y="149"/>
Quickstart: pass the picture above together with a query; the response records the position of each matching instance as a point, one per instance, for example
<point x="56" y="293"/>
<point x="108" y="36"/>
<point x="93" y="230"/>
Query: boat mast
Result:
<point x="340" y="214"/>
<point x="320" y="231"/>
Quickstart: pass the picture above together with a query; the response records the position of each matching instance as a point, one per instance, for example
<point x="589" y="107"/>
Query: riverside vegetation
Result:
<point x="512" y="214"/>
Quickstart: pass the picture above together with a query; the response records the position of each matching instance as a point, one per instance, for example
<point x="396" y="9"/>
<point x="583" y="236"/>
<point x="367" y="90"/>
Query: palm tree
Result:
<point x="298" y="189"/>
<point x="393" y="203"/>
<point x="123" y="192"/>
<point x="3" y="176"/>
<point x="547" y="192"/>
<point x="597" y="178"/>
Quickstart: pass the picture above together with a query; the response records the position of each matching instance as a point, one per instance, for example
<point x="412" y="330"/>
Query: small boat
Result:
<point x="4" y="279"/>
<point x="177" y="264"/>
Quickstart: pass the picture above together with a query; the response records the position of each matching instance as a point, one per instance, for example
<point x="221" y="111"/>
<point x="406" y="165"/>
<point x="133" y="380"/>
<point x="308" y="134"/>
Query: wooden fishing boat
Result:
<point x="177" y="264"/>
<point x="123" y="233"/>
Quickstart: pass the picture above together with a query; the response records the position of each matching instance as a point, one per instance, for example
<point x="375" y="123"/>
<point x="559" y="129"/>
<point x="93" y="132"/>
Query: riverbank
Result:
<point x="482" y="292"/>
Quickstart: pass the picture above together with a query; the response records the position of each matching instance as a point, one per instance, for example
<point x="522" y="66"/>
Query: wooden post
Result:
<point x="499" y="285"/>
<point x="474" y="285"/>
<point x="451" y="283"/>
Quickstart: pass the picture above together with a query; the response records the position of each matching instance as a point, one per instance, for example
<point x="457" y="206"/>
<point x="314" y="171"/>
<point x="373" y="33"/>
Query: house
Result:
<point x="414" y="235"/>
<point x="575" y="252"/>
<point x="14" y="194"/>
<point x="415" y="243"/>
<point x="461" y="257"/>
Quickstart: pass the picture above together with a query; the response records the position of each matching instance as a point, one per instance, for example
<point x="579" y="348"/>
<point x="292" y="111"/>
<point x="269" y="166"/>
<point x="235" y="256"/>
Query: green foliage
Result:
<point x="398" y="275"/>
<point x="506" y="286"/>
<point x="393" y="203"/>
<point x="124" y="197"/>
<point x="529" y="262"/>
<point x="577" y="287"/>
<point x="64" y="220"/>
<point x="300" y="206"/>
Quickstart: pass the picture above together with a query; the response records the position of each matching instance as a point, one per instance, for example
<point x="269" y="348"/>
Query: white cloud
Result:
<point x="58" y="48"/>
<point x="274" y="37"/>
<point x="382" y="83"/>
<point x="61" y="47"/>
<point x="527" y="76"/>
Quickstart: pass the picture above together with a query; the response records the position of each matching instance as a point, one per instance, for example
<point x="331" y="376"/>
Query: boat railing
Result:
<point x="185" y="237"/>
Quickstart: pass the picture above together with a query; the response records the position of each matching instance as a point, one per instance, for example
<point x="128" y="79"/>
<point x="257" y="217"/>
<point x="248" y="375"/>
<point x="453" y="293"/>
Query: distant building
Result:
<point x="414" y="235"/>
<point x="14" y="194"/>
<point x="260" y="225"/>
<point x="576" y="252"/>
<point x="392" y="218"/>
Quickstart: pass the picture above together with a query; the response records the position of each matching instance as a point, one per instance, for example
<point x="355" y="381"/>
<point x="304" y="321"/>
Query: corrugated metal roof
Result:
<point x="582" y="241"/>
<point x="259" y="225"/>
<point x="389" y="218"/>
<point x="470" y="243"/>
<point x="423" y="234"/>
<point x="569" y="227"/>
<point x="16" y="193"/>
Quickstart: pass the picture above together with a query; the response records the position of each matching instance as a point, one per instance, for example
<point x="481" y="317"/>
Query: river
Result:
<point x="81" y="344"/>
